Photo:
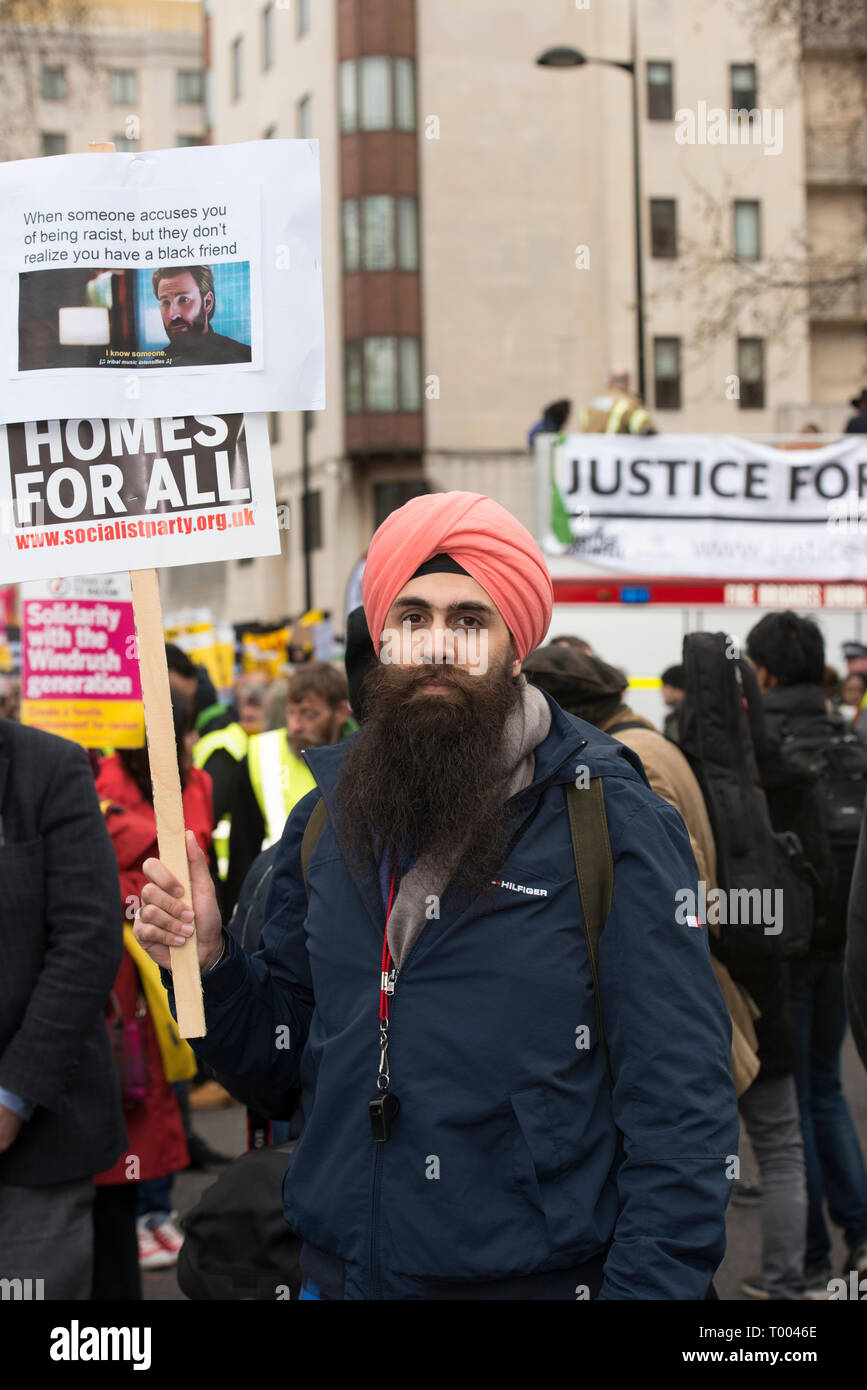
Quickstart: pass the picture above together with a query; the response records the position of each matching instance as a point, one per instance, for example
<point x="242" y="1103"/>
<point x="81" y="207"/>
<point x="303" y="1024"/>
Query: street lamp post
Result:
<point x="572" y="58"/>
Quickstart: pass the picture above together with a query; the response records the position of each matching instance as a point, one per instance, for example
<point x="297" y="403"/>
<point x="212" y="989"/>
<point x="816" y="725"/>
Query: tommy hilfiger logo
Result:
<point x="520" y="888"/>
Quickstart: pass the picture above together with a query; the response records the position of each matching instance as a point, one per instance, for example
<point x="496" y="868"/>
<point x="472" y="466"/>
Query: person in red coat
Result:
<point x="134" y="1224"/>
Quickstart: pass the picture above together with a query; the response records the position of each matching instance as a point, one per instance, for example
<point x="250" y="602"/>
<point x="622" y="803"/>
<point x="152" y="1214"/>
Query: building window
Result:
<point x="660" y="92"/>
<point x="387" y="497"/>
<point x="747" y="239"/>
<point x="190" y="87"/>
<point x="53" y="84"/>
<point x="751" y="373"/>
<point x="663" y="227"/>
<point x="351" y="236"/>
<point x="380" y="374"/>
<point x="274" y="426"/>
<point x="124" y="86"/>
<point x="666" y="372"/>
<point x="237" y="68"/>
<point x="185" y="142"/>
<point x="352" y="378"/>
<point x="383" y="375"/>
<point x="268" y="37"/>
<point x="377" y="94"/>
<point x="124" y="145"/>
<point x="348" y="95"/>
<point x="53" y="144"/>
<point x="311" y="515"/>
<point x="410" y="374"/>
<point x="404" y="93"/>
<point x="744" y="87"/>
<point x="375" y="85"/>
<point x="378" y="233"/>
<point x="302" y="17"/>
<point x="407" y="234"/>
<point x="304" y="118"/>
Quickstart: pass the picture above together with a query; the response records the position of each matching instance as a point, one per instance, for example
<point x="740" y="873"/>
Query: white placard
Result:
<point x="145" y="285"/>
<point x="86" y="497"/>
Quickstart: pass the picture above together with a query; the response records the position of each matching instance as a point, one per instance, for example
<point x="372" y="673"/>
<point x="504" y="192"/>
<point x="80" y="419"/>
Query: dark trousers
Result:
<point x="116" y="1274"/>
<point x="832" y="1153"/>
<point x="46" y="1233"/>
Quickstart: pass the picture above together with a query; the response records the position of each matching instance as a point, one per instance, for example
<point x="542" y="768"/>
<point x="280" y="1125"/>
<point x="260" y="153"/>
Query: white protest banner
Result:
<point x="87" y="496"/>
<point x="710" y="505"/>
<point x="79" y="667"/>
<point x="134" y="285"/>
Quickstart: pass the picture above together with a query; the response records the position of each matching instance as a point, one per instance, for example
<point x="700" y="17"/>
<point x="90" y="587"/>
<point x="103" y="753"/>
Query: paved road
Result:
<point x="225" y="1131"/>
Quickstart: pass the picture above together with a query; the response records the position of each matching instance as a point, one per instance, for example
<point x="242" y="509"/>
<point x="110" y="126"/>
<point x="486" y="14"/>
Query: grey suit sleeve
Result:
<point x="83" y="933"/>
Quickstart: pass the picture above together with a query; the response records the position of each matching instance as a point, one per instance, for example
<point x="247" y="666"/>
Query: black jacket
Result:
<point x="61" y="943"/>
<point x="249" y="916"/>
<point x="856" y="949"/>
<point x="245" y="837"/>
<point x="795" y="803"/>
<point x="246" y="927"/>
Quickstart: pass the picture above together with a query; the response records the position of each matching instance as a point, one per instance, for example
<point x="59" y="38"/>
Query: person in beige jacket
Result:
<point x="591" y="689"/>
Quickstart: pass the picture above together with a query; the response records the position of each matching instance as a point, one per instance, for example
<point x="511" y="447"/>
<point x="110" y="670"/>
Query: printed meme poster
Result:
<point x="134" y="285"/>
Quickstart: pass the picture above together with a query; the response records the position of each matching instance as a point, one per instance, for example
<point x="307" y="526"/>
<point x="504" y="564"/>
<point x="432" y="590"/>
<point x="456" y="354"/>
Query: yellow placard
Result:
<point x="264" y="651"/>
<point x="92" y="723"/>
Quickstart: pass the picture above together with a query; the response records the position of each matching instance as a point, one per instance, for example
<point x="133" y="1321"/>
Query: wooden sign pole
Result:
<point x="166" y="782"/>
<point x="165" y="778"/>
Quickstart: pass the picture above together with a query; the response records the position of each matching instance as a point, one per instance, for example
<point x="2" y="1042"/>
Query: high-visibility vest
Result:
<point x="614" y="413"/>
<point x="278" y="778"/>
<point x="233" y="740"/>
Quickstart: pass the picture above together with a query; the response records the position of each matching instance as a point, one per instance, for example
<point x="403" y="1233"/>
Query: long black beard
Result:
<point x="425" y="773"/>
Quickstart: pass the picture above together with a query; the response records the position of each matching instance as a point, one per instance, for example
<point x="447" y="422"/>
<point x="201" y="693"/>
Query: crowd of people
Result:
<point x="569" y="1096"/>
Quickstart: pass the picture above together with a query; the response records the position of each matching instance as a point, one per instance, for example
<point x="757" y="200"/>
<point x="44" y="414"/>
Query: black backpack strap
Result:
<point x="594" y="868"/>
<point x="312" y="831"/>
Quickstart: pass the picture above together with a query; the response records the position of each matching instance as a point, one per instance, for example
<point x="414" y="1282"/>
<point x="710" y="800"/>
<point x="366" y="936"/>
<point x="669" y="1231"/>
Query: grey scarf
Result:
<point x="526" y="727"/>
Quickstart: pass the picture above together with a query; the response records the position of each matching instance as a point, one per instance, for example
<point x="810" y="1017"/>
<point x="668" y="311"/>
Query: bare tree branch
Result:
<point x="34" y="32"/>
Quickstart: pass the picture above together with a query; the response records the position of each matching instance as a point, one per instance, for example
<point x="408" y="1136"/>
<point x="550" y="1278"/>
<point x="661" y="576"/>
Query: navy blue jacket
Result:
<point x="511" y="1156"/>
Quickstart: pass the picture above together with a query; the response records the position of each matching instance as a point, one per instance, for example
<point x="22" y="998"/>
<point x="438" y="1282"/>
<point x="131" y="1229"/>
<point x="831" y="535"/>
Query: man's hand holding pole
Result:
<point x="165" y="920"/>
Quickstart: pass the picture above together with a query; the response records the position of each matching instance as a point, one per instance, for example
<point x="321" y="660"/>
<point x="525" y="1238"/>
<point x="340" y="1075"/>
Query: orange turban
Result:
<point x="491" y="545"/>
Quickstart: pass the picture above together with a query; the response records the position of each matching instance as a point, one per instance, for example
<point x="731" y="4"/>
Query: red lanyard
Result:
<point x="386" y="979"/>
<point x="385" y="1105"/>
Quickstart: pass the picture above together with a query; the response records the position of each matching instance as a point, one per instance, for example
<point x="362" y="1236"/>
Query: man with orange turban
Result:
<point x="501" y="1099"/>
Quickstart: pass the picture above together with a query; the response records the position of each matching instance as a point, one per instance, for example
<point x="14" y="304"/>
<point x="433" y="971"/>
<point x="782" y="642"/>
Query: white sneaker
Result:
<point x="169" y="1236"/>
<point x="152" y="1254"/>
